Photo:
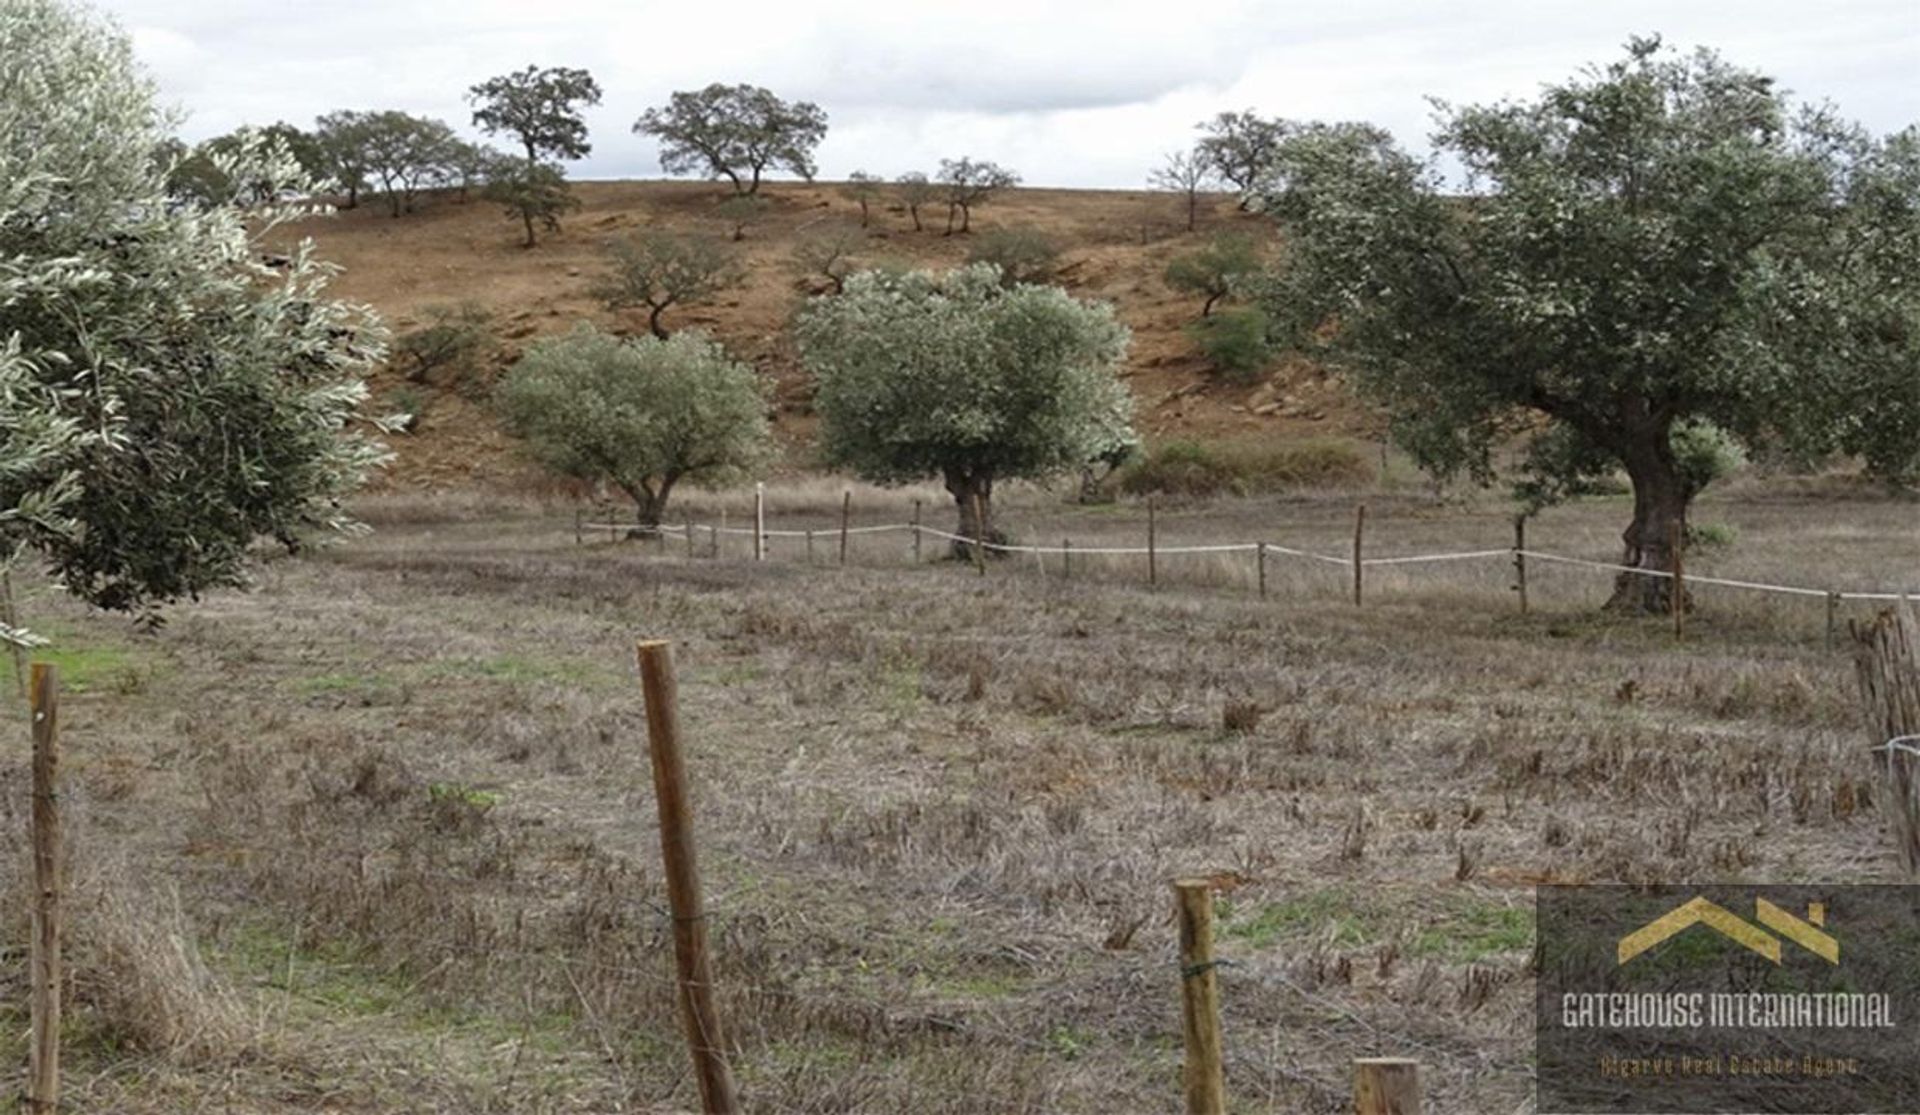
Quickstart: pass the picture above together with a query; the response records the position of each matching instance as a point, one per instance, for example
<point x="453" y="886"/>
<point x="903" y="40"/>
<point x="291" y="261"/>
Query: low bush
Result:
<point x="1023" y="255"/>
<point x="1235" y="343"/>
<point x="454" y="337"/>
<point x="1196" y="469"/>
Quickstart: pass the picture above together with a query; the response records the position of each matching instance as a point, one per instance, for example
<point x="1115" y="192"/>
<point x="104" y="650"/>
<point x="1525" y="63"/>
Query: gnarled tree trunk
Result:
<point x="1660" y="499"/>
<point x="649" y="504"/>
<point x="971" y="489"/>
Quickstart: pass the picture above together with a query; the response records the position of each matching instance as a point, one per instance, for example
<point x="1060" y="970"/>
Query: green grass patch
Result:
<point x="1464" y="930"/>
<point x="1193" y="468"/>
<point x="1471" y="931"/>
<point x="87" y="663"/>
<point x="1333" y="911"/>
<point x="523" y="669"/>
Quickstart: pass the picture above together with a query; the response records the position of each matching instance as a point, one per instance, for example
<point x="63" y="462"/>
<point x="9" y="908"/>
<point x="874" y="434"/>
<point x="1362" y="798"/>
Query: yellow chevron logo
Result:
<point x="1699" y="911"/>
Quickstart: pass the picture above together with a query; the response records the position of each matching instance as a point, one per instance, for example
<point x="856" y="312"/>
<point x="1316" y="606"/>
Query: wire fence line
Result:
<point x="694" y="531"/>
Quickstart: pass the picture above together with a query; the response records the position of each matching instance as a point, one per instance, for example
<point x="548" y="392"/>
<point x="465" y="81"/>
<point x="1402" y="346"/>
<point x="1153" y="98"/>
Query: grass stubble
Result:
<point x="378" y="834"/>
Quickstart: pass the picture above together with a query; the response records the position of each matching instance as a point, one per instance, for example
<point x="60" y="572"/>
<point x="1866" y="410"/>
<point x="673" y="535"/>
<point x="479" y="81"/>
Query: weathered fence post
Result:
<point x="846" y="513"/>
<point x="1153" y="564"/>
<point x="1260" y="563"/>
<point x="43" y="1056"/>
<point x="1386" y="1086"/>
<point x="1833" y="619"/>
<point x="1205" y="1072"/>
<point x="688" y="526"/>
<point x="718" y="531"/>
<point x="579" y="532"/>
<point x="1888" y="668"/>
<point x="1520" y="560"/>
<point x="10" y="612"/>
<point x="916" y="532"/>
<point x="979" y="535"/>
<point x="1359" y="534"/>
<point x="809" y="545"/>
<point x="759" y="522"/>
<point x="1066" y="559"/>
<point x="704" y="1039"/>
<point x="1677" y="537"/>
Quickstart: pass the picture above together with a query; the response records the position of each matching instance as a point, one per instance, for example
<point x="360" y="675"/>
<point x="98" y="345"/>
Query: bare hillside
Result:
<point x="1114" y="246"/>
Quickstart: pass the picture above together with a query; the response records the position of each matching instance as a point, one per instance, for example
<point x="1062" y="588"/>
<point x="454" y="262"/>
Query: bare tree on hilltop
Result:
<point x="967" y="182"/>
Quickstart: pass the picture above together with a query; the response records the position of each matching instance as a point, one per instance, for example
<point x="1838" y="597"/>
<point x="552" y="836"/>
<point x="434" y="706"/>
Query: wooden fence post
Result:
<point x="579" y="533"/>
<point x="1066" y="559"/>
<point x="613" y="527"/>
<point x="759" y="522"/>
<point x="1677" y="537"/>
<point x="1887" y="664"/>
<point x="916" y="532"/>
<point x="1153" y="563"/>
<point x="1260" y="563"/>
<point x="43" y="1055"/>
<point x="1833" y="619"/>
<point x="846" y="513"/>
<point x="718" y="531"/>
<point x="1520" y="560"/>
<point x="809" y="545"/>
<point x="689" y="528"/>
<point x="979" y="535"/>
<point x="1205" y="1073"/>
<point x="1359" y="534"/>
<point x="10" y="612"/>
<point x="1386" y="1086"/>
<point x="704" y="1040"/>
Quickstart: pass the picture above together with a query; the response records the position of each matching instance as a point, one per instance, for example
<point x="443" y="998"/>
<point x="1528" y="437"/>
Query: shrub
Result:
<point x="454" y="336"/>
<point x="1023" y="255"/>
<point x="1235" y="343"/>
<point x="1711" y="536"/>
<point x="1197" y="469"/>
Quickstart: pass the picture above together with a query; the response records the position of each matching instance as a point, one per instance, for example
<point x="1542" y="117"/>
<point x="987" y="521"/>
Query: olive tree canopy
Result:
<point x="736" y="132"/>
<point x="171" y="395"/>
<point x="539" y="108"/>
<point x="642" y="415"/>
<point x="1652" y="256"/>
<point x="960" y="377"/>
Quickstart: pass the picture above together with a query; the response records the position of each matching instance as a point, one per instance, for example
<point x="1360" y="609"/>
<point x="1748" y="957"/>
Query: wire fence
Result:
<point x="692" y="532"/>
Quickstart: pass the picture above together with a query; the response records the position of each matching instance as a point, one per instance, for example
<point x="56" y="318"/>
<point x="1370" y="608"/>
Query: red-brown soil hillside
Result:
<point x="1114" y="246"/>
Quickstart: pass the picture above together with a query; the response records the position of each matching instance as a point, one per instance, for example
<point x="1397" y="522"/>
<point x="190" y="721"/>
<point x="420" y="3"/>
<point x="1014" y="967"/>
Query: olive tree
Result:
<point x="406" y="154"/>
<point x="532" y="194"/>
<point x="915" y="191"/>
<point x="864" y="189"/>
<point x="1216" y="271"/>
<point x="174" y="397"/>
<point x="663" y="269"/>
<point x="959" y="377"/>
<point x="539" y="108"/>
<point x="341" y="139"/>
<point x="643" y="415"/>
<point x="736" y="132"/>
<point x="965" y="183"/>
<point x="1237" y="146"/>
<point x="1654" y="254"/>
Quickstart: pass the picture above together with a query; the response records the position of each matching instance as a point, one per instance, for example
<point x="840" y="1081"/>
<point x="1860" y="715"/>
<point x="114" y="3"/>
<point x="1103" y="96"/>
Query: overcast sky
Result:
<point x="1068" y="94"/>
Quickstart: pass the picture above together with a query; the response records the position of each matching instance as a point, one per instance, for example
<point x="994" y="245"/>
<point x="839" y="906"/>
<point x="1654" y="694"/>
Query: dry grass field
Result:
<point x="377" y="836"/>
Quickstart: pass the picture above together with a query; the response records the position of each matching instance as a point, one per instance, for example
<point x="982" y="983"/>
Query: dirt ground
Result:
<point x="377" y="835"/>
<point x="1114" y="246"/>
